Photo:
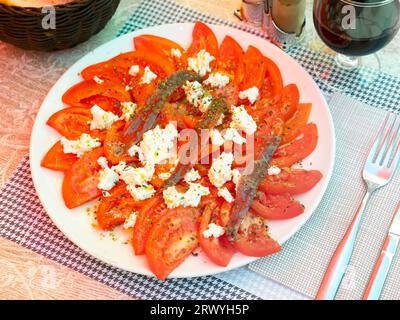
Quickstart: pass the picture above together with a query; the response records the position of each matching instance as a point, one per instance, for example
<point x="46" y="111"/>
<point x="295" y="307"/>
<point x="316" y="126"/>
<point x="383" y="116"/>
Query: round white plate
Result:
<point x="76" y="224"/>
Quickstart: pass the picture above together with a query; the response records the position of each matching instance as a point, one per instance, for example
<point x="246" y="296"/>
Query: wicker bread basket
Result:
<point x="76" y="22"/>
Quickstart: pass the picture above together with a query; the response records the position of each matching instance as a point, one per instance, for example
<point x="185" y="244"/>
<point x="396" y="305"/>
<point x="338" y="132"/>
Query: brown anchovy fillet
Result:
<point x="247" y="188"/>
<point x="148" y="116"/>
<point x="208" y="121"/>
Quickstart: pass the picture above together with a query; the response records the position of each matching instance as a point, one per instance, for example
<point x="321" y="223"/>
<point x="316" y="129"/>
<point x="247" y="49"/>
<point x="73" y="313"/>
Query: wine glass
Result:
<point x="355" y="30"/>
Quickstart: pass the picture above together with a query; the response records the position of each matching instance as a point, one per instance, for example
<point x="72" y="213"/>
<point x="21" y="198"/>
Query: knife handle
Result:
<point x="381" y="269"/>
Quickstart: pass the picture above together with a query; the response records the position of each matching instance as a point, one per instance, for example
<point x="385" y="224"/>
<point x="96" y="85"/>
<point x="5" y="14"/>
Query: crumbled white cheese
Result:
<point x="192" y="175"/>
<point x="191" y="198"/>
<point x="236" y="175"/>
<point x="242" y="120"/>
<point x="159" y="144"/>
<point x="134" y="70"/>
<point x="164" y="175"/>
<point x="224" y="193"/>
<point x="131" y="221"/>
<point x="201" y="63"/>
<point x="217" y="80"/>
<point x="108" y="179"/>
<point x="220" y="171"/>
<point x="220" y="120"/>
<point x="197" y="96"/>
<point x="216" y="138"/>
<point x="98" y="80"/>
<point x="274" y="171"/>
<point x="132" y="151"/>
<point x="128" y="110"/>
<point x="84" y="144"/>
<point x="134" y="176"/>
<point x="142" y="192"/>
<point x="175" y="52"/>
<point x="128" y="88"/>
<point x="148" y="76"/>
<point x="233" y="135"/>
<point x="101" y="119"/>
<point x="251" y="94"/>
<point x="213" y="230"/>
<point x="102" y="161"/>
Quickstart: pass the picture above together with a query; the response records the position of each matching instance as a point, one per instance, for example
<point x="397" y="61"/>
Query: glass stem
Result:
<point x="346" y="62"/>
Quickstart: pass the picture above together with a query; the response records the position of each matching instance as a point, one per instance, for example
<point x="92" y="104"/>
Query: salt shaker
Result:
<point x="252" y="12"/>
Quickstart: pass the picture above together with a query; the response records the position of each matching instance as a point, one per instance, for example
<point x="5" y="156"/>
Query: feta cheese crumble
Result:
<point x="134" y="70"/>
<point x="224" y="193"/>
<point x="233" y="135"/>
<point x="217" y="80"/>
<point x="236" y="175"/>
<point x="98" y="80"/>
<point x="148" y="76"/>
<point x="128" y="110"/>
<point x="108" y="178"/>
<point x="216" y="138"/>
<point x="134" y="176"/>
<point x="132" y="151"/>
<point x="242" y="120"/>
<point x="101" y="119"/>
<point x="175" y="52"/>
<point x="201" y="63"/>
<point x="143" y="192"/>
<point x="191" y="198"/>
<point x="274" y="171"/>
<point x="213" y="230"/>
<point x="251" y="94"/>
<point x="197" y="96"/>
<point x="84" y="144"/>
<point x="220" y="171"/>
<point x="192" y="175"/>
<point x="131" y="221"/>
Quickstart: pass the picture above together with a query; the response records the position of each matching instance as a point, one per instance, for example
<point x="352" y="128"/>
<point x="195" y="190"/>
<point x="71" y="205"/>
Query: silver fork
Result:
<point x="378" y="170"/>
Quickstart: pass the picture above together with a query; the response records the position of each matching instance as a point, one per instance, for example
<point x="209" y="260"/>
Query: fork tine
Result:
<point x="374" y="152"/>
<point x="394" y="158"/>
<point x="389" y="143"/>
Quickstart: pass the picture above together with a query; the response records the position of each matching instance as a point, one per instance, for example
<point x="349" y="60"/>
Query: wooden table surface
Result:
<point x="23" y="273"/>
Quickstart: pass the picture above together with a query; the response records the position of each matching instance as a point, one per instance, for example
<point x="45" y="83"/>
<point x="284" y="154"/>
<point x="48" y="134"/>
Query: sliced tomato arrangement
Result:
<point x="171" y="209"/>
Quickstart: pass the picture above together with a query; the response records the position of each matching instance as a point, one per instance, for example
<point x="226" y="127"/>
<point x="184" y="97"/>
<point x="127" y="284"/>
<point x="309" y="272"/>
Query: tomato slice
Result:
<point x="178" y="113"/>
<point x="56" y="159"/>
<point x="298" y="149"/>
<point x="114" y="209"/>
<point x="71" y="122"/>
<point x="80" y="181"/>
<point x="253" y="69"/>
<point x="295" y="123"/>
<point x="88" y="88"/>
<point x="203" y="38"/>
<point x="276" y="207"/>
<point x="147" y="216"/>
<point x="171" y="240"/>
<point x="117" y="68"/>
<point x="218" y="250"/>
<point x="273" y="82"/>
<point x="288" y="100"/>
<point x="253" y="238"/>
<point x="230" y="56"/>
<point x="108" y="104"/>
<point x="115" y="148"/>
<point x="291" y="181"/>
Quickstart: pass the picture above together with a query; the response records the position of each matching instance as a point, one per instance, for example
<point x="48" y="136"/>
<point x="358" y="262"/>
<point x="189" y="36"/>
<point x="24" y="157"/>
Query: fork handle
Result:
<point x="341" y="258"/>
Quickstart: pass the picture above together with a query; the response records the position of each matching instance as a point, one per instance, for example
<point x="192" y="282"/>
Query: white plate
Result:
<point x="76" y="224"/>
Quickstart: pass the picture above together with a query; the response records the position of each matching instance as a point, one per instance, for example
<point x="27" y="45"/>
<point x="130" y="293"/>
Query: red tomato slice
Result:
<point x="295" y="123"/>
<point x="117" y="68"/>
<point x="273" y="82"/>
<point x="147" y="216"/>
<point x="114" y="147"/>
<point x="106" y="103"/>
<point x="178" y="113"/>
<point x="291" y="181"/>
<point x="88" y="88"/>
<point x="203" y="38"/>
<point x="219" y="250"/>
<point x="114" y="209"/>
<point x="298" y="149"/>
<point x="230" y="56"/>
<point x="288" y="100"/>
<point x="253" y="70"/>
<point x="56" y="159"/>
<point x="80" y="181"/>
<point x="71" y="122"/>
<point x="253" y="238"/>
<point x="171" y="240"/>
<point x="276" y="207"/>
